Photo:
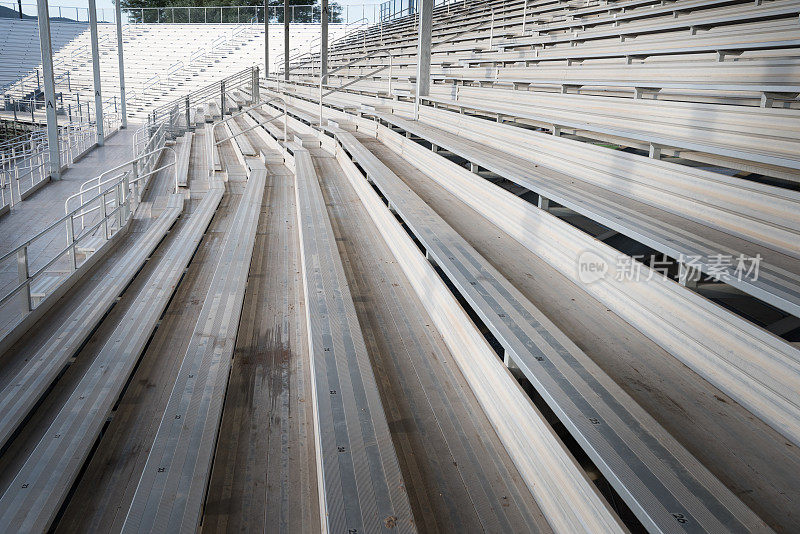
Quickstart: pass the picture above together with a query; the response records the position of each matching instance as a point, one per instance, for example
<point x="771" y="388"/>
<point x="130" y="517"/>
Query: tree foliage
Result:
<point x="227" y="11"/>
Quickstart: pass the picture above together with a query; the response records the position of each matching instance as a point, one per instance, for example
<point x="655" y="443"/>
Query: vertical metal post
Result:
<point x="491" y="30"/>
<point x="286" y="40"/>
<point x="49" y="89"/>
<point x="391" y="68"/>
<point x="188" y="115"/>
<point x="266" y="39"/>
<point x="222" y="99"/>
<point x="103" y="215"/>
<point x="424" y="53"/>
<point x="124" y="108"/>
<point x="98" y="99"/>
<point x="135" y="172"/>
<point x="524" y="16"/>
<point x="22" y="273"/>
<point x="323" y="42"/>
<point x="321" y="122"/>
<point x="255" y="97"/>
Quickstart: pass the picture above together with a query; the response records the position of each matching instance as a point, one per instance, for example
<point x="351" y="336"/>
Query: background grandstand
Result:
<point x="459" y="266"/>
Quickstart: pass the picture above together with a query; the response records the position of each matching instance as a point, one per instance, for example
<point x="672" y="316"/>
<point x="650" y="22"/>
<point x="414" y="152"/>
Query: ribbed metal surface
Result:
<point x="664" y="485"/>
<point x="171" y="491"/>
<point x="361" y="487"/>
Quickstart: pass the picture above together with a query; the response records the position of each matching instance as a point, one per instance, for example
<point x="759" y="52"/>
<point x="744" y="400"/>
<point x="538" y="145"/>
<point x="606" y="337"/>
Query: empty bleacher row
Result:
<point x="508" y="312"/>
<point x="66" y="428"/>
<point x="20" y="45"/>
<point x="308" y="113"/>
<point x="184" y="60"/>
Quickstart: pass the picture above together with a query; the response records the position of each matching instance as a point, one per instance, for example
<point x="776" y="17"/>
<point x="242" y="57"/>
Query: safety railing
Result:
<point x="358" y="38"/>
<point x="212" y="143"/>
<point x="92" y="216"/>
<point x="176" y="115"/>
<point x="25" y="164"/>
<point x="60" y="13"/>
<point x="137" y="172"/>
<point x="377" y="68"/>
<point x="65" y="60"/>
<point x="298" y="14"/>
<point x="393" y="9"/>
<point x="95" y="217"/>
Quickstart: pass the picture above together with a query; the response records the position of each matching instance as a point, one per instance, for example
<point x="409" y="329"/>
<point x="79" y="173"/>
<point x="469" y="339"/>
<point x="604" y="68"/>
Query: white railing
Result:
<point x="136" y="171"/>
<point x="24" y="164"/>
<point x="62" y="13"/>
<point x="96" y="213"/>
<point x="298" y="14"/>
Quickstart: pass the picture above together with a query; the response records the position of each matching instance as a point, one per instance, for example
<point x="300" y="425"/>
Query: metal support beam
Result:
<point x="49" y="89"/>
<point x="543" y="203"/>
<point x="323" y="42"/>
<point x="98" y="99"/>
<point x="424" y="53"/>
<point x="266" y="39"/>
<point x="286" y="41"/>
<point x="124" y="107"/>
<point x="254" y="87"/>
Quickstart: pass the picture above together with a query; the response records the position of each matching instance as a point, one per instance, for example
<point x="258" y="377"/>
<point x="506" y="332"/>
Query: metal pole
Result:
<point x="286" y="40"/>
<point x="323" y="58"/>
<point x="491" y="30"/>
<point x="266" y="39"/>
<point x="391" y="68"/>
<point x="524" y="16"/>
<point x="49" y="89"/>
<point x="98" y="99"/>
<point x="255" y="97"/>
<point x="19" y="3"/>
<point x="222" y="98"/>
<point x="122" y="64"/>
<point x="424" y="53"/>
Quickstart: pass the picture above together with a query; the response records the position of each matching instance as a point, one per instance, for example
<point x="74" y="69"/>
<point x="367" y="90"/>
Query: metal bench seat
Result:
<point x="632" y="211"/>
<point x="357" y="466"/>
<point x="722" y="48"/>
<point x="171" y="490"/>
<point x="736" y="144"/>
<point x="184" y="153"/>
<point x="672" y="9"/>
<point x="656" y="476"/>
<point x="702" y="23"/>
<point x="42" y="484"/>
<point x="24" y="390"/>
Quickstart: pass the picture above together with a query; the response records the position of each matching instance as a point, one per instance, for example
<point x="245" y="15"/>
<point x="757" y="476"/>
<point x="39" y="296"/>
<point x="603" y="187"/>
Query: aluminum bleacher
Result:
<point x="558" y="293"/>
<point x="183" y="60"/>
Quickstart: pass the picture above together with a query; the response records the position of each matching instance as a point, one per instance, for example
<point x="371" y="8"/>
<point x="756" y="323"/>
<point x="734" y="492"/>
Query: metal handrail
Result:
<point x="21" y="251"/>
<point x="118" y="167"/>
<point x="211" y="137"/>
<point x="22" y="160"/>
